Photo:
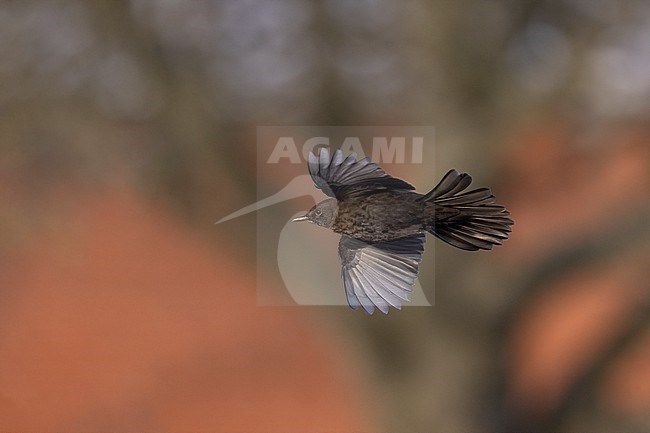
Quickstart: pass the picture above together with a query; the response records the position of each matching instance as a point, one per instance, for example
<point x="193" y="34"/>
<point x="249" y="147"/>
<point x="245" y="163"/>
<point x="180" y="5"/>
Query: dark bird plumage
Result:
<point x="383" y="222"/>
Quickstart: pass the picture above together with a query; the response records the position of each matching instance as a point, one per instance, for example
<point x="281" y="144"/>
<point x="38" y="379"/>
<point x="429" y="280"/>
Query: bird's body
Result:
<point x="381" y="217"/>
<point x="383" y="224"/>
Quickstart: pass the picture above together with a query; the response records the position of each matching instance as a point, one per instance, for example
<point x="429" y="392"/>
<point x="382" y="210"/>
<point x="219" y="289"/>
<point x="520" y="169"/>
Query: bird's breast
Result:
<point x="380" y="217"/>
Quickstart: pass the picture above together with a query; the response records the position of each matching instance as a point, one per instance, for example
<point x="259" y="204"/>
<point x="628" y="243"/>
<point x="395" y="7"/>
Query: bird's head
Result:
<point x="323" y="214"/>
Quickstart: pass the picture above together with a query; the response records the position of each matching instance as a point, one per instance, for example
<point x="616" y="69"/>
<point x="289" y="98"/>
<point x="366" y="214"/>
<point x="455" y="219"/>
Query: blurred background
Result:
<point x="128" y="127"/>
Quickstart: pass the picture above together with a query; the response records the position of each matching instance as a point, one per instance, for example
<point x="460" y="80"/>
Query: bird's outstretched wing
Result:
<point x="347" y="178"/>
<point x="380" y="274"/>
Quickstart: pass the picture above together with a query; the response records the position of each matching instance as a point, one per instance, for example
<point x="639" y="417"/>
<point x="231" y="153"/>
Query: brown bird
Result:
<point x="383" y="224"/>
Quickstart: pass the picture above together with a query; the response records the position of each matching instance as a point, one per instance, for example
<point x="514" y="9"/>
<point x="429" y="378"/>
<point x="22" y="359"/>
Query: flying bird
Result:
<point x="383" y="221"/>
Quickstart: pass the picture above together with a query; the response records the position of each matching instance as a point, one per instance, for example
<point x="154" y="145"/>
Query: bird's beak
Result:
<point x="300" y="218"/>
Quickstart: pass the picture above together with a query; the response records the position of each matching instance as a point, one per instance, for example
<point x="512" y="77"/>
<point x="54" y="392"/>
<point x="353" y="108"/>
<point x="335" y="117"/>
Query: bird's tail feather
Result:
<point x="468" y="220"/>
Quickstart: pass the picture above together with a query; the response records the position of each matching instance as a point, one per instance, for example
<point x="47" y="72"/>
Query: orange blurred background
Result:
<point x="128" y="127"/>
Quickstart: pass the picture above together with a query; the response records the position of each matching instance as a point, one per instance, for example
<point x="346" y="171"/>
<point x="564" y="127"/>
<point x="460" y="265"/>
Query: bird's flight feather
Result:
<point x="345" y="178"/>
<point x="380" y="274"/>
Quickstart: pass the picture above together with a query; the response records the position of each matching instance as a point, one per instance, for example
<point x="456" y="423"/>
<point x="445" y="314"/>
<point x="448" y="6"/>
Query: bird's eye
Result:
<point x="318" y="212"/>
